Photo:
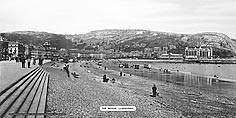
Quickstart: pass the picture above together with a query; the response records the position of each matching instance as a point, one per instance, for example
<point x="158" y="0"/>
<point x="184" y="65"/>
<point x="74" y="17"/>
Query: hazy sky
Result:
<point x="81" y="16"/>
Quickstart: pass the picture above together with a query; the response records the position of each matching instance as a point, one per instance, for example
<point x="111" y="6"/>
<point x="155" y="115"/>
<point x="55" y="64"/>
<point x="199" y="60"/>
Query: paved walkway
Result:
<point x="27" y="95"/>
<point x="10" y="71"/>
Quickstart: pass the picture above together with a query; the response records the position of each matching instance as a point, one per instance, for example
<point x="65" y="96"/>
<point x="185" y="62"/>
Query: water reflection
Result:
<point x="207" y="83"/>
<point x="191" y="80"/>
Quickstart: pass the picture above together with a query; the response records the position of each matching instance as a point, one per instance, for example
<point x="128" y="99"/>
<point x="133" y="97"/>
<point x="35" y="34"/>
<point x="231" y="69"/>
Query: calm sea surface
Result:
<point x="194" y="75"/>
<point x="201" y="75"/>
<point x="226" y="71"/>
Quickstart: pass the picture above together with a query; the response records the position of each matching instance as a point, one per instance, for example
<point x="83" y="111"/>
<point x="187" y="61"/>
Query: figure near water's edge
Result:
<point x="154" y="91"/>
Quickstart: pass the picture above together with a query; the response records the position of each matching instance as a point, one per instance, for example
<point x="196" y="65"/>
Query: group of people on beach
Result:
<point x="155" y="92"/>
<point x="106" y="79"/>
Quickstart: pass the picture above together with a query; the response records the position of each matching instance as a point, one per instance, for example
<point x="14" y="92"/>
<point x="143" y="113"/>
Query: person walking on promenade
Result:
<point x="23" y="61"/>
<point x="39" y="63"/>
<point x="40" y="60"/>
<point x="17" y="59"/>
<point x="34" y="61"/>
<point x="28" y="61"/>
<point x="154" y="91"/>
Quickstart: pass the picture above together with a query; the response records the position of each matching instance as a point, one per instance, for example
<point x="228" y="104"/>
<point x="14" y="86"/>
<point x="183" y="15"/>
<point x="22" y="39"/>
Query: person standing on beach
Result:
<point x="121" y="73"/>
<point x="113" y="80"/>
<point x="154" y="91"/>
<point x="105" y="79"/>
<point x="67" y="70"/>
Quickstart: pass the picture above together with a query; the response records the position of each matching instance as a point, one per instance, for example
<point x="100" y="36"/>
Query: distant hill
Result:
<point x="129" y="40"/>
<point x="233" y="44"/>
<point x="38" y="38"/>
<point x="115" y="38"/>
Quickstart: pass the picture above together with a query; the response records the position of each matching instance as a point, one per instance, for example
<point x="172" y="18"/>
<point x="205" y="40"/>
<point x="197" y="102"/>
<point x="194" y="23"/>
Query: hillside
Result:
<point x="233" y="44"/>
<point x="38" y="38"/>
<point x="148" y="39"/>
<point x="129" y="40"/>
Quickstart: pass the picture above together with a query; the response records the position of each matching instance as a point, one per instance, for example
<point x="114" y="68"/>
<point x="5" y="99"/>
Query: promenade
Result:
<point x="23" y="90"/>
<point x="12" y="71"/>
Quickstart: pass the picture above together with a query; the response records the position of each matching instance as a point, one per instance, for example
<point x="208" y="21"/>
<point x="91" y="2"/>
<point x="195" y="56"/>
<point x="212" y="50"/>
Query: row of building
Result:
<point x="201" y="52"/>
<point x="11" y="50"/>
<point x="15" y="49"/>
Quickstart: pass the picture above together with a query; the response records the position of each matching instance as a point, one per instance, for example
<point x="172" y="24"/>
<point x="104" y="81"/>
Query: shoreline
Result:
<point x="183" y="61"/>
<point x="83" y="96"/>
<point x="180" y="71"/>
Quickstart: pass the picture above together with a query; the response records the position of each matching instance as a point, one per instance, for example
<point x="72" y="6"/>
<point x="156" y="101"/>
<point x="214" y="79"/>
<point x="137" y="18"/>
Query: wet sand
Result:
<point x="83" y="96"/>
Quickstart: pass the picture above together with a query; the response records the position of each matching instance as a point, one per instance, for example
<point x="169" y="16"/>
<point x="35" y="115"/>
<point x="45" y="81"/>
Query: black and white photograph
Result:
<point x="118" y="59"/>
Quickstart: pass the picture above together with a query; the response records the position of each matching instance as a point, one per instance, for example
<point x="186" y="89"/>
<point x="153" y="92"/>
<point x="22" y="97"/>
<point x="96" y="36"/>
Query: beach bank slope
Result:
<point x="83" y="96"/>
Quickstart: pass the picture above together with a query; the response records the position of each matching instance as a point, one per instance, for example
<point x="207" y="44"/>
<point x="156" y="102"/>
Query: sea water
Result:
<point x="226" y="71"/>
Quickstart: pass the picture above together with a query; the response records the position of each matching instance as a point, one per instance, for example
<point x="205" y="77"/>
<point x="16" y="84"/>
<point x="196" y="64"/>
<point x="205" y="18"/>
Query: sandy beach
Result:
<point x="83" y="96"/>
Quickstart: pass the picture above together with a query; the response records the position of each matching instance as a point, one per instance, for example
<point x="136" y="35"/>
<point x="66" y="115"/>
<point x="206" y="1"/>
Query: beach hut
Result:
<point x="99" y="63"/>
<point x="120" y="65"/>
<point x="136" y="66"/>
<point x="148" y="66"/>
<point x="126" y="65"/>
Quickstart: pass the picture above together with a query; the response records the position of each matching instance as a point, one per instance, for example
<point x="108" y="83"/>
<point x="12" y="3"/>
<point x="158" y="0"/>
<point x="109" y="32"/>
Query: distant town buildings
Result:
<point x="202" y="52"/>
<point x="47" y="46"/>
<point x="171" y="56"/>
<point x="165" y="49"/>
<point x="3" y="47"/>
<point x="99" y="51"/>
<point x="15" y="49"/>
<point x="49" y="51"/>
<point x="146" y="50"/>
<point x="156" y="49"/>
<point x="11" y="49"/>
<point x="172" y="47"/>
<point x="91" y="56"/>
